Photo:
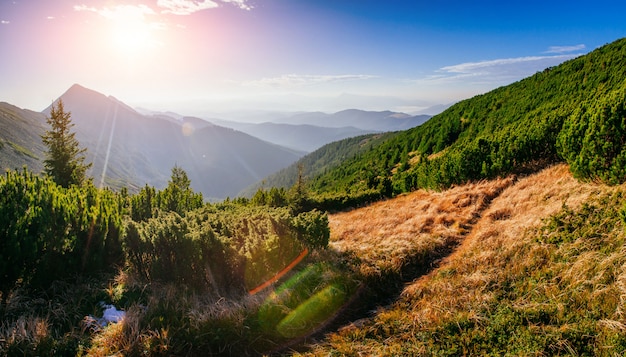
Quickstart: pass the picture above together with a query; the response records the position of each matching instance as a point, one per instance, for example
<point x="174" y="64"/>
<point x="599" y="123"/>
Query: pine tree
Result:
<point x="299" y="196"/>
<point x="178" y="195"/>
<point x="65" y="159"/>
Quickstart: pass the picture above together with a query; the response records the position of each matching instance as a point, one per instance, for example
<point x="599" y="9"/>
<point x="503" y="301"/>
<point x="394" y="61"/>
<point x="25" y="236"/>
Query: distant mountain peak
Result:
<point x="80" y="98"/>
<point x="78" y="92"/>
<point x="77" y="89"/>
<point x="77" y="86"/>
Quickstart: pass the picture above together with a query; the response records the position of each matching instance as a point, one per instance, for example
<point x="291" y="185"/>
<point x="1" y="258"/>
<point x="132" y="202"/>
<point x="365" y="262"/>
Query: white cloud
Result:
<point x="565" y="49"/>
<point x="85" y="8"/>
<point x="299" y="80"/>
<point x="5" y="22"/>
<point x="185" y="7"/>
<point x="119" y="12"/>
<point x="239" y="3"/>
<point x="498" y="70"/>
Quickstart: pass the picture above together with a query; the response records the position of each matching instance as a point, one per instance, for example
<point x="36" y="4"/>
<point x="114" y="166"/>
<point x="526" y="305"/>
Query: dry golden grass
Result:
<point x="29" y="331"/>
<point x="496" y="240"/>
<point x="500" y="256"/>
<point x="387" y="234"/>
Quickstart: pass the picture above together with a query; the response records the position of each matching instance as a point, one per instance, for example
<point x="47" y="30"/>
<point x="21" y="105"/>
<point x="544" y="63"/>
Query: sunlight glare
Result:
<point x="130" y="32"/>
<point x="133" y="39"/>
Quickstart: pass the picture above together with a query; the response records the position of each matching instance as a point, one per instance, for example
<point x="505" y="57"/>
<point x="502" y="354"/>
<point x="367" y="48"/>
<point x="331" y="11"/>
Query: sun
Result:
<point x="130" y="29"/>
<point x="133" y="39"/>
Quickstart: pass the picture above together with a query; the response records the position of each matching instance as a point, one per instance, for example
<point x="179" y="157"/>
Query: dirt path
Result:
<point x="405" y="235"/>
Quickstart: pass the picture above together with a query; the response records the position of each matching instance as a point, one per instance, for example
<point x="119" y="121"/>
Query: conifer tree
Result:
<point x="299" y="200"/>
<point x="178" y="195"/>
<point x="65" y="158"/>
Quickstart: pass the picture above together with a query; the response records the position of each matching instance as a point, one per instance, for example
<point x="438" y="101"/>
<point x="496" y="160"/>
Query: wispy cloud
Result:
<point x="5" y="22"/>
<point x="175" y="7"/>
<point x="565" y="49"/>
<point x="498" y="70"/>
<point x="242" y="4"/>
<point x="187" y="7"/>
<point x="300" y="80"/>
<point x="119" y="12"/>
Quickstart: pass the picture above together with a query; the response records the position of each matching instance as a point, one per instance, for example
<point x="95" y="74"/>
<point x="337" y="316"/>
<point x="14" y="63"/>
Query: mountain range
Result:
<point x="302" y="137"/>
<point x="309" y="131"/>
<point x="129" y="148"/>
<point x="367" y="120"/>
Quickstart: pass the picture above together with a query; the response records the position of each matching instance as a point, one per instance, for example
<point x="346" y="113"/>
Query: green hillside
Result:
<point x="321" y="161"/>
<point x="573" y="112"/>
<point x="20" y="142"/>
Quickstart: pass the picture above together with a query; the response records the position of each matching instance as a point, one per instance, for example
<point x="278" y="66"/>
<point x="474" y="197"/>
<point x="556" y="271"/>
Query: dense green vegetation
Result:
<point x="133" y="250"/>
<point x="320" y="161"/>
<point x="593" y="139"/>
<point x="573" y="112"/>
<point x="48" y="232"/>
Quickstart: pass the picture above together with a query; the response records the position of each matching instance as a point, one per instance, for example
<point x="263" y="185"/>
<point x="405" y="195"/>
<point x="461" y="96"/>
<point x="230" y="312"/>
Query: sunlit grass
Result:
<point x="541" y="273"/>
<point x="388" y="235"/>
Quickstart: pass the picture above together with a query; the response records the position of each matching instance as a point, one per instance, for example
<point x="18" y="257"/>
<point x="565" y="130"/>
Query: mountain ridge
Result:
<point x="128" y="149"/>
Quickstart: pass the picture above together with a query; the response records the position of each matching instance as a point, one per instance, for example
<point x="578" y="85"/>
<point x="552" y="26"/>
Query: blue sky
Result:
<point x="203" y="56"/>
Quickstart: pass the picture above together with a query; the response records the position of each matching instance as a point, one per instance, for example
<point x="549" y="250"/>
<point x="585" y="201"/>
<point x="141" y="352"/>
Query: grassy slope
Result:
<point x="20" y="142"/>
<point x="389" y="234"/>
<point x="540" y="270"/>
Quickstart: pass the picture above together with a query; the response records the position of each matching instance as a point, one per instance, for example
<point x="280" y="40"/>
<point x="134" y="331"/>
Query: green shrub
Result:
<point x="48" y="232"/>
<point x="222" y="248"/>
<point x="312" y="228"/>
<point x="168" y="249"/>
<point x="593" y="139"/>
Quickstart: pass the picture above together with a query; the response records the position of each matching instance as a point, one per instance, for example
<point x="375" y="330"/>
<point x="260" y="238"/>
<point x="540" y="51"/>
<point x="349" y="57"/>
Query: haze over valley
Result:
<point x="130" y="149"/>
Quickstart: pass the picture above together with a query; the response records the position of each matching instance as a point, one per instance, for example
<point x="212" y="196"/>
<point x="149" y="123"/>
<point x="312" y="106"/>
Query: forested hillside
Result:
<point x="320" y="161"/>
<point x="573" y="112"/>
